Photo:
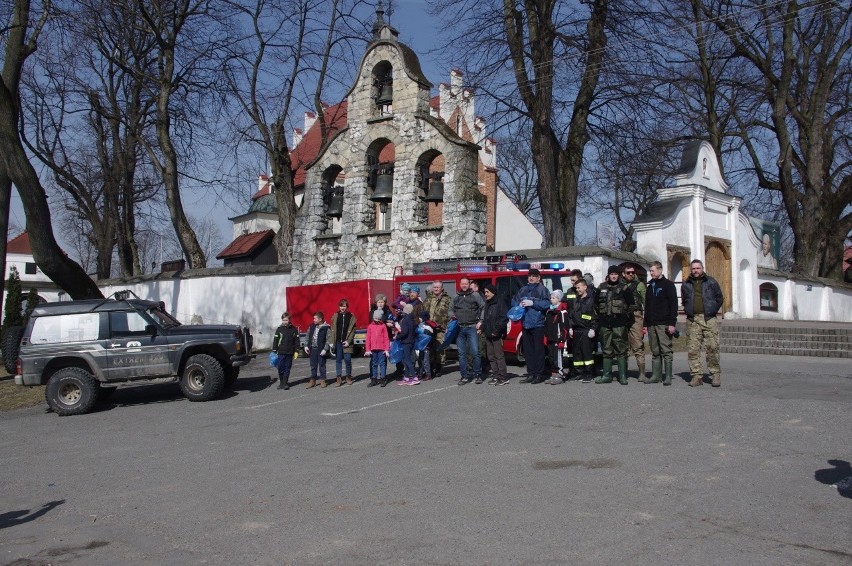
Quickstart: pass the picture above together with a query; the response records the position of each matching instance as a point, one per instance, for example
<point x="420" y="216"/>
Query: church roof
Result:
<point x="20" y="244"/>
<point x="245" y="244"/>
<point x="659" y="210"/>
<point x="308" y="149"/>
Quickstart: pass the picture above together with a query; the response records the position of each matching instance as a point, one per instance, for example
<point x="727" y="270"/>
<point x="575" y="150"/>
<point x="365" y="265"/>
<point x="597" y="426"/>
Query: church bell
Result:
<point x="383" y="193"/>
<point x="436" y="191"/>
<point x="335" y="203"/>
<point x="386" y="94"/>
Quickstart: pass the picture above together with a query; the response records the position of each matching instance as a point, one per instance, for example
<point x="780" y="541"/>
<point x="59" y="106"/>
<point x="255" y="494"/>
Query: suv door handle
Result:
<point x="115" y="345"/>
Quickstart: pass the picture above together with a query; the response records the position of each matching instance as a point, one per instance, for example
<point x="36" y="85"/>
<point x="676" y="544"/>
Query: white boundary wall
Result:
<point x="248" y="296"/>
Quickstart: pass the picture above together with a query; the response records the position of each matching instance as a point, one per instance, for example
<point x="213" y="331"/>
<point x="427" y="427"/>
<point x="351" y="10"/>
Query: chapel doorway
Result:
<point x="717" y="260"/>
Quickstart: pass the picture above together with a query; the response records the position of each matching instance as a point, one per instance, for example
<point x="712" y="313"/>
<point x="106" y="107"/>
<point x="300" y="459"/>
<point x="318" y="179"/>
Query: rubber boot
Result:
<point x="622" y="371"/>
<point x="606" y="376"/>
<point x="656" y="370"/>
<point x="311" y="383"/>
<point x="668" y="378"/>
<point x="348" y="380"/>
<point x="283" y="382"/>
<point x="640" y="363"/>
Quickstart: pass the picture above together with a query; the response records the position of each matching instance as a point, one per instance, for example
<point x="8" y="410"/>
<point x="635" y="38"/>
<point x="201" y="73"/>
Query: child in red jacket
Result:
<point x="378" y="348"/>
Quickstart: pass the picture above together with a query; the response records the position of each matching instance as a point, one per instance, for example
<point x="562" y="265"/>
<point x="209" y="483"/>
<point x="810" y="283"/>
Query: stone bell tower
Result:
<point x="395" y="185"/>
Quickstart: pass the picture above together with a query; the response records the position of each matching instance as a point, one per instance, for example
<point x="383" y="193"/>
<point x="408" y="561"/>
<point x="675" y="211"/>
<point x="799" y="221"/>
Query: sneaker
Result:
<point x="493" y="381"/>
<point x="404" y="381"/>
<point x="464" y="381"/>
<point x="501" y="382"/>
<point x="414" y="381"/>
<point x="586" y="379"/>
<point x="555" y="380"/>
<point x="478" y="380"/>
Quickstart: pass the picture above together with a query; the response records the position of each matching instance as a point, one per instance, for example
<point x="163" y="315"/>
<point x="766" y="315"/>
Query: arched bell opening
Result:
<point x="429" y="179"/>
<point x="381" y="156"/>
<point x="382" y="90"/>
<point x="332" y="197"/>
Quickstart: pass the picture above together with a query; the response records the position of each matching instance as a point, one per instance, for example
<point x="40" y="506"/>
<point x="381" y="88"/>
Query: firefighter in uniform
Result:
<point x="635" y="335"/>
<point x="583" y="321"/>
<point x="568" y="300"/>
<point x="615" y="315"/>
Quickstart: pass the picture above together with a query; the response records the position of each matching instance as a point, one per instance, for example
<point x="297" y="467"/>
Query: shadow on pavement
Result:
<point x="840" y="477"/>
<point x="13" y="518"/>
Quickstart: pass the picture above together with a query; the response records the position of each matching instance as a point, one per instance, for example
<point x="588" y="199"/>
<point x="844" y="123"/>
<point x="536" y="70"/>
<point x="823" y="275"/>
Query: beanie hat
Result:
<point x="407" y="309"/>
<point x="557" y="293"/>
<point x="414" y="289"/>
<point x="613" y="269"/>
<point x="534" y="271"/>
<point x="377" y="314"/>
<point x="405" y="287"/>
<point x="490" y="288"/>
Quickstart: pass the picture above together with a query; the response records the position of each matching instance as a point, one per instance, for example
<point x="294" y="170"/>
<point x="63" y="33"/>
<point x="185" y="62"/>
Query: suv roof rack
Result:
<point x="117" y="296"/>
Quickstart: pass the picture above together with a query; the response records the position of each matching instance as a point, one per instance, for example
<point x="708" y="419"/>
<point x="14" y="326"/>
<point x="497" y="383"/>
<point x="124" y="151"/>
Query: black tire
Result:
<point x="72" y="391"/>
<point x="203" y="378"/>
<point x="11" y="347"/>
<point x="231" y="375"/>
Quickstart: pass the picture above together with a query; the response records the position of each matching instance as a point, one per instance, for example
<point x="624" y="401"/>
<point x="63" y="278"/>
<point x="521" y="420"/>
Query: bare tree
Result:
<point x="294" y="40"/>
<point x="798" y="54"/>
<point x="188" y="36"/>
<point x="518" y="178"/>
<point x="20" y="38"/>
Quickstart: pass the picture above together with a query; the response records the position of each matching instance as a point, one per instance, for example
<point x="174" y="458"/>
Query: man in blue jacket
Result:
<point x="702" y="299"/>
<point x="535" y="298"/>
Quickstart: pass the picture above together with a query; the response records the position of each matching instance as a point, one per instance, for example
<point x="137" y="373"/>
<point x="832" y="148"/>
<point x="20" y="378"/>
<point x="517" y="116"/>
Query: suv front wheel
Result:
<point x="71" y="391"/>
<point x="202" y="379"/>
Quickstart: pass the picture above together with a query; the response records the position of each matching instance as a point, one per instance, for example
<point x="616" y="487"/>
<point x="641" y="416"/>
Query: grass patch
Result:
<point x="17" y="396"/>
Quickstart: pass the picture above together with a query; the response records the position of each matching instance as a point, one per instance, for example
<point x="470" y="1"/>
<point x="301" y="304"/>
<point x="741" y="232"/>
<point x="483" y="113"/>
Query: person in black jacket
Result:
<point x="583" y="318"/>
<point x="494" y="323"/>
<point x="317" y="348"/>
<point x="285" y="343"/>
<point x="407" y="335"/>
<point x="660" y="319"/>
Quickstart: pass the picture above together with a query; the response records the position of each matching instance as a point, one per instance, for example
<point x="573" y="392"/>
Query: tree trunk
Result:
<point x="16" y="166"/>
<point x="282" y="184"/>
<point x="5" y="200"/>
<point x="169" y="168"/>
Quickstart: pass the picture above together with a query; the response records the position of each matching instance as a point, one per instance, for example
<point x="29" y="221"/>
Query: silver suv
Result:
<point x="81" y="349"/>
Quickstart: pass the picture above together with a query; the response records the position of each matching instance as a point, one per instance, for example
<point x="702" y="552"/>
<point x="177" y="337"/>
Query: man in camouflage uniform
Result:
<point x="615" y="315"/>
<point x="635" y="337"/>
<point x="437" y="304"/>
<point x="702" y="299"/>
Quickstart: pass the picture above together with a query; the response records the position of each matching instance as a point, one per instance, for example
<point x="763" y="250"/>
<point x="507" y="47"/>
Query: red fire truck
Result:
<point x="508" y="273"/>
<point x="305" y="300"/>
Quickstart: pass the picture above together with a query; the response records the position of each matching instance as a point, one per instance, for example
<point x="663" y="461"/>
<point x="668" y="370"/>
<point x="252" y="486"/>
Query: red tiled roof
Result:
<point x="20" y="244"/>
<point x="245" y="245"/>
<point x="435" y="103"/>
<point x="264" y="190"/>
<point x="309" y="148"/>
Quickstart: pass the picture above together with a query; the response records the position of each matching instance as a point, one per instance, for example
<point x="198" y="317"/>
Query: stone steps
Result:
<point x="789" y="340"/>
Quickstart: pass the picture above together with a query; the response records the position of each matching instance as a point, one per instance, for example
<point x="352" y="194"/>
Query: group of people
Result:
<point x="557" y="326"/>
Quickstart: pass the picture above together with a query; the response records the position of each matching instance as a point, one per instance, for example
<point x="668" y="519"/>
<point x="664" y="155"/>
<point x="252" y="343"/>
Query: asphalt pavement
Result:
<point x="755" y="472"/>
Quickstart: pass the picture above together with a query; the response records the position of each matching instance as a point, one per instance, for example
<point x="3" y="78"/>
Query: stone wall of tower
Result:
<point x="358" y="250"/>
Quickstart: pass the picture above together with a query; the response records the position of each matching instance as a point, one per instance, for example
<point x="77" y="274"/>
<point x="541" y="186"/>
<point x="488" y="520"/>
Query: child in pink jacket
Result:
<point x="378" y="347"/>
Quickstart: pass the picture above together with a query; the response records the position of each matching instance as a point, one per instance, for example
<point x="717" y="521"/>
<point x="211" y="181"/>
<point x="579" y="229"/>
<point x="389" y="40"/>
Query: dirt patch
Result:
<point x="17" y="396"/>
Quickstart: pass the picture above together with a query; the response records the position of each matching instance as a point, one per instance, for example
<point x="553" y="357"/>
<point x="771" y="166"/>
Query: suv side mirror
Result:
<point x="151" y="329"/>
